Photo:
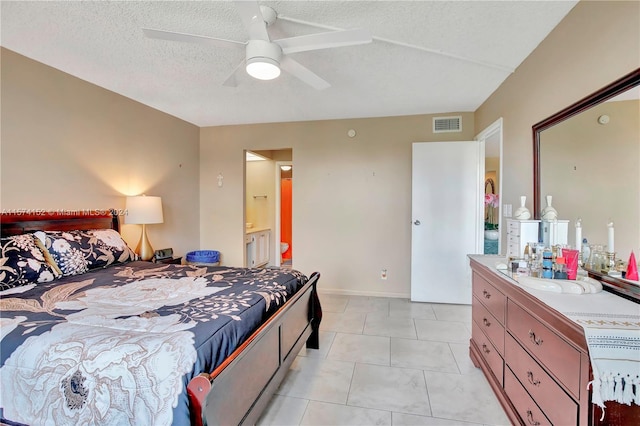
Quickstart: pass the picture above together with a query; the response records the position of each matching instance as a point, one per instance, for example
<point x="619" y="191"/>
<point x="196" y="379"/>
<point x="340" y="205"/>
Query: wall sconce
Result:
<point x="143" y="210"/>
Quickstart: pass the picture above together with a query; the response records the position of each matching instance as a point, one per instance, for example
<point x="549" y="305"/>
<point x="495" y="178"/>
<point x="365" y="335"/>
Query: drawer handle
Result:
<point x="531" y="379"/>
<point x="486" y="294"/>
<point x="532" y="336"/>
<point x="531" y="420"/>
<point x="485" y="349"/>
<point x="486" y="322"/>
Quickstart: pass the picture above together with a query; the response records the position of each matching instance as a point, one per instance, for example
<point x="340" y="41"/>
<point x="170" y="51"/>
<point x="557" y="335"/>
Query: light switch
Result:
<point x="507" y="210"/>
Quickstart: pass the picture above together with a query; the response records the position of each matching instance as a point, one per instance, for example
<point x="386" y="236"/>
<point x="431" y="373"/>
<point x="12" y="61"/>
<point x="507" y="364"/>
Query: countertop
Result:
<point x="257" y="229"/>
<point x="566" y="303"/>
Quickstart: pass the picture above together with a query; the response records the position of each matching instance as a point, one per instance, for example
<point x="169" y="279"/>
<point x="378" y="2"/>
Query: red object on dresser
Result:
<point x="632" y="268"/>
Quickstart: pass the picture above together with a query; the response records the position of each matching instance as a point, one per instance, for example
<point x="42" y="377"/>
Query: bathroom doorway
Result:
<point x="284" y="210"/>
<point x="265" y="214"/>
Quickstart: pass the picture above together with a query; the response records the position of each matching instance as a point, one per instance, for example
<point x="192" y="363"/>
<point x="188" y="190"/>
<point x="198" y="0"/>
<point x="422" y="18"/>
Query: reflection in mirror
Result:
<point x="587" y="157"/>
<point x="489" y="186"/>
<point x="589" y="164"/>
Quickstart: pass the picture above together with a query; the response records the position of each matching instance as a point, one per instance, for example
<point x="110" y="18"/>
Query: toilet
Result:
<point x="283" y="248"/>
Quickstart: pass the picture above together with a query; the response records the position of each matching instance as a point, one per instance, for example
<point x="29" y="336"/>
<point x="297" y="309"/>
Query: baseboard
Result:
<point x="343" y="292"/>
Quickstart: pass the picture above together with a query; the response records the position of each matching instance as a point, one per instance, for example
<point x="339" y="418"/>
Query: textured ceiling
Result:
<point x="426" y="57"/>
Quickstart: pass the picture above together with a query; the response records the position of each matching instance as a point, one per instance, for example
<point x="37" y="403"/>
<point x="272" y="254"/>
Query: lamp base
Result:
<point x="144" y="249"/>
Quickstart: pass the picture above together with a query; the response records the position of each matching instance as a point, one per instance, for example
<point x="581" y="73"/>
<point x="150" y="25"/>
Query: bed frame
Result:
<point x="237" y="391"/>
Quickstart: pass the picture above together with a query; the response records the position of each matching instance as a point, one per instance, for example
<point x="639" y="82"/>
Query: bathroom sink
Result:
<point x="581" y="285"/>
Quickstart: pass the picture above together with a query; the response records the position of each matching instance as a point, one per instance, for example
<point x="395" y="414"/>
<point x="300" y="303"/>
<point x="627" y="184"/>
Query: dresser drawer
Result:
<point x="488" y="324"/>
<point x="513" y="249"/>
<point x="559" y="358"/>
<point x="490" y="297"/>
<point x="489" y="352"/>
<point x="558" y="407"/>
<point x="513" y="239"/>
<point x="527" y="409"/>
<point x="513" y="226"/>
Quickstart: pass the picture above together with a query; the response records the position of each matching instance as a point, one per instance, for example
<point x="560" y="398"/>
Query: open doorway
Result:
<point x="267" y="219"/>
<point x="492" y="138"/>
<point x="284" y="211"/>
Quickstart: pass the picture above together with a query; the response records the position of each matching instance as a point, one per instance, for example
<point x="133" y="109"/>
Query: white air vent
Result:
<point x="447" y="124"/>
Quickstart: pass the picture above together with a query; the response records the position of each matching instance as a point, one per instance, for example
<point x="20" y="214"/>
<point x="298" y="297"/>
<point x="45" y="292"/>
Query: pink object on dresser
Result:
<point x="571" y="256"/>
<point x="632" y="268"/>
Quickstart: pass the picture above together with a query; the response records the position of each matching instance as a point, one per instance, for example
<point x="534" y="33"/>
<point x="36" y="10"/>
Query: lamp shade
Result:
<point x="143" y="210"/>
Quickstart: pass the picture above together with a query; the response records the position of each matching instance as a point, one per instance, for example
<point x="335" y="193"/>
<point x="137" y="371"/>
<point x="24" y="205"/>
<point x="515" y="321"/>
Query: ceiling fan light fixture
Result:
<point x="263" y="68"/>
<point x="263" y="59"/>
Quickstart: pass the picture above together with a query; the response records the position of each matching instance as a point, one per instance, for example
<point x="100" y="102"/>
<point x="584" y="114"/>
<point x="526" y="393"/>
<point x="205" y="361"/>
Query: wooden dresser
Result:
<point x="535" y="359"/>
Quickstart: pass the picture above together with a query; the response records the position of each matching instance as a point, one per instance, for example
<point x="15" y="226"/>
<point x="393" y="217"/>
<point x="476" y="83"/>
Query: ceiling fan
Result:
<point x="265" y="57"/>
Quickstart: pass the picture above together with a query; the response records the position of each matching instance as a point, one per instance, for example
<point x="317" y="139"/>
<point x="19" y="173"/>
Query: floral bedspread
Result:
<point x="118" y="345"/>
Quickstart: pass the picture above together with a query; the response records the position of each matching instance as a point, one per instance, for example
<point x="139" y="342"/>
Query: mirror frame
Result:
<point x="618" y="286"/>
<point x="489" y="182"/>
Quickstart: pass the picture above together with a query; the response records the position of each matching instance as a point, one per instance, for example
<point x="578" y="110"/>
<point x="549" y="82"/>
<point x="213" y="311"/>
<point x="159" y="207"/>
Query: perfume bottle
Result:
<point x="547" y="264"/>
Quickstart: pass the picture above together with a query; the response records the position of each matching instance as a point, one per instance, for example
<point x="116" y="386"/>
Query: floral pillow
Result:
<point x="75" y="252"/>
<point x="22" y="262"/>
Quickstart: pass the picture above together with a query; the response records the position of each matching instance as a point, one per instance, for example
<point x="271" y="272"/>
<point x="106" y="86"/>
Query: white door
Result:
<point x="447" y="216"/>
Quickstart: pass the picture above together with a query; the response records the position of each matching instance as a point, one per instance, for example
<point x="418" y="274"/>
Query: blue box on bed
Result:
<point x="203" y="256"/>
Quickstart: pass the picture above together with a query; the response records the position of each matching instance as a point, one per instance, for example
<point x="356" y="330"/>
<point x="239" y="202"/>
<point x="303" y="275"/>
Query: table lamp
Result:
<point x="144" y="210"/>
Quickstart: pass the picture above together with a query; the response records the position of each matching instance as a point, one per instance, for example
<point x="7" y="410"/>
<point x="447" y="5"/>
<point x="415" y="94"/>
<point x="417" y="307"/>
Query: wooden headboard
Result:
<point x="62" y="220"/>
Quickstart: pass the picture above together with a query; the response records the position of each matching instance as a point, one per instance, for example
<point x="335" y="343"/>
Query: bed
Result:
<point x="120" y="341"/>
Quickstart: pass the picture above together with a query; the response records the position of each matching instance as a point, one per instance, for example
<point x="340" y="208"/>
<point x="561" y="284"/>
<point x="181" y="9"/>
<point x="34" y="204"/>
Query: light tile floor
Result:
<point x="386" y="361"/>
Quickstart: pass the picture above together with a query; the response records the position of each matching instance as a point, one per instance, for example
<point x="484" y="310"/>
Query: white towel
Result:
<point x="614" y="349"/>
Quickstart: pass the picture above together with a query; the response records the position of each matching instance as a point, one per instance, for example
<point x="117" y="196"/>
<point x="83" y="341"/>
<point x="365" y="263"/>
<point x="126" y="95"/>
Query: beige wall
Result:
<point x="351" y="196"/>
<point x="260" y="180"/>
<point x="589" y="167"/>
<point x="595" y="44"/>
<point x="68" y="144"/>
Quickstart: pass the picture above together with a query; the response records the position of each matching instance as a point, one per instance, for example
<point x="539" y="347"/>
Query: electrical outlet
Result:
<point x="383" y="274"/>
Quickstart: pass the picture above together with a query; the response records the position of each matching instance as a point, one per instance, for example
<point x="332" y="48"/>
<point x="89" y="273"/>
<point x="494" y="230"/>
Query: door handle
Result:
<point x="417" y="222"/>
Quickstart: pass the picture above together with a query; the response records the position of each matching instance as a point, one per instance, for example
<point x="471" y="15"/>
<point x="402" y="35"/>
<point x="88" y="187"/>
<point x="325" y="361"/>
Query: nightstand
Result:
<point x="170" y="260"/>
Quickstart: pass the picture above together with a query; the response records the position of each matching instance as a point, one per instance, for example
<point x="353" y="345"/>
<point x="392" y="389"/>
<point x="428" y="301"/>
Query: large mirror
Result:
<point x="587" y="157"/>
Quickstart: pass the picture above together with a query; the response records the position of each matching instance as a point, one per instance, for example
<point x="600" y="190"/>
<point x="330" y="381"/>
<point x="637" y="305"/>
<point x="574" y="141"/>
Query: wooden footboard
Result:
<point x="240" y="388"/>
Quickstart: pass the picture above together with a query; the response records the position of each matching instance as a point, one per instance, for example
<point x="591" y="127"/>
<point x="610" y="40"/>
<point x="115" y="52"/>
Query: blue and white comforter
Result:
<point x="119" y="345"/>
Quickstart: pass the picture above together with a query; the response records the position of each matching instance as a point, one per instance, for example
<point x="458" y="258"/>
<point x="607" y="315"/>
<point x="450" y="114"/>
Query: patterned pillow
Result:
<point x="76" y="252"/>
<point x="22" y="262"/>
<point x="65" y="250"/>
<point x="110" y="248"/>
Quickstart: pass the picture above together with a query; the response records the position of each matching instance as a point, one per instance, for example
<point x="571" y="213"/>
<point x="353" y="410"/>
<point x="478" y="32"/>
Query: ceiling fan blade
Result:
<point x="249" y="11"/>
<point x="190" y="38"/>
<point x="231" y="80"/>
<point x="324" y="40"/>
<point x="303" y="73"/>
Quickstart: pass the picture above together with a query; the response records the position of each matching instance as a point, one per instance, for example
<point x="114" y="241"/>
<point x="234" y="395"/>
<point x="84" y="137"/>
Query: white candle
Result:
<point x="579" y="235"/>
<point x="610" y="246"/>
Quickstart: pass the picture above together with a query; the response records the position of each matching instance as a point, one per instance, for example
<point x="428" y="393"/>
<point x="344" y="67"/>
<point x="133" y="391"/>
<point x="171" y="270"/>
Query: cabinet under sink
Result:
<point x="258" y="247"/>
